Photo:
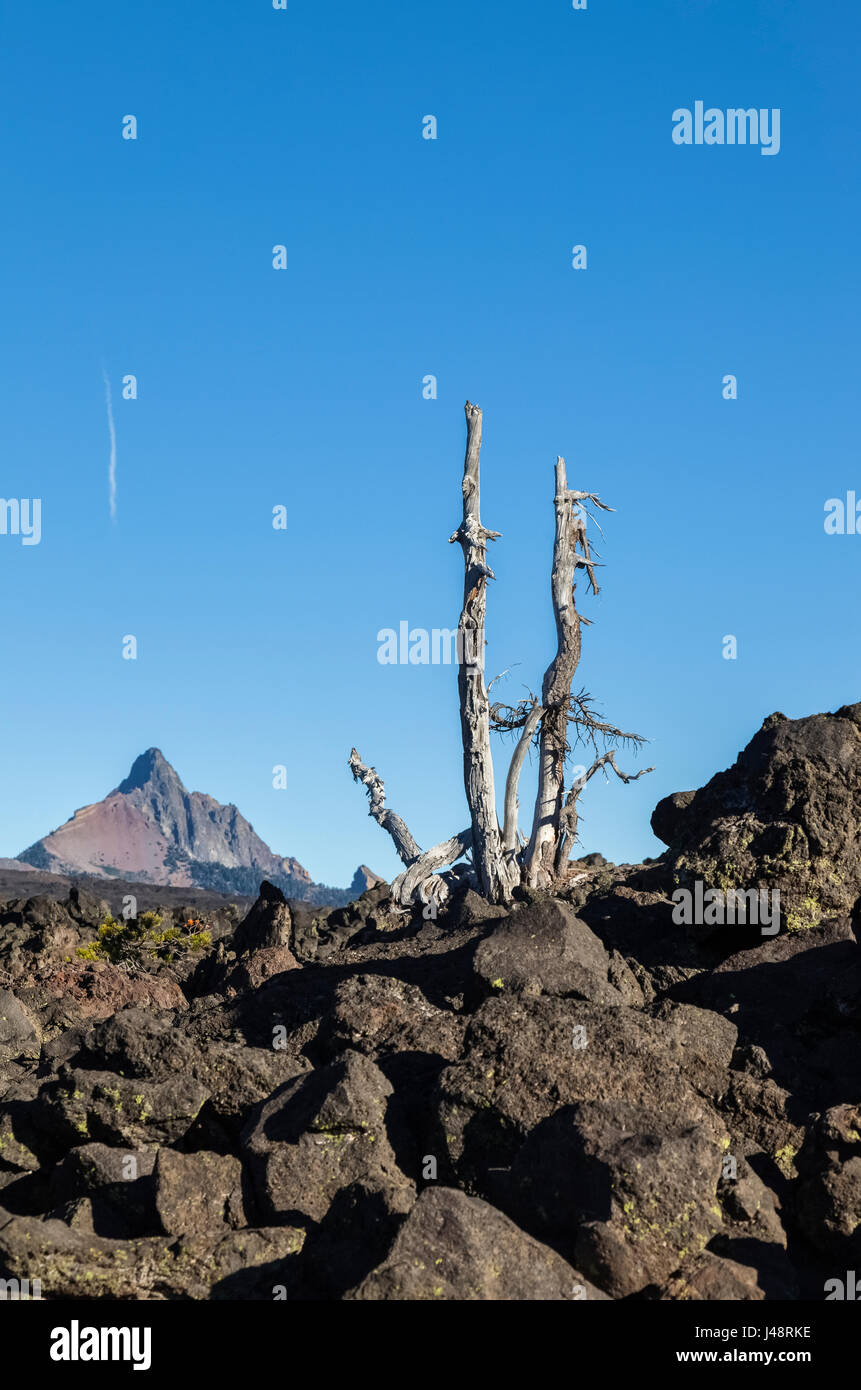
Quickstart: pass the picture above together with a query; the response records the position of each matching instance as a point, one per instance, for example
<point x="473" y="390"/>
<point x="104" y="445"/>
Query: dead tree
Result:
<point x="502" y="858"/>
<point x="556" y="690"/>
<point x="496" y="876"/>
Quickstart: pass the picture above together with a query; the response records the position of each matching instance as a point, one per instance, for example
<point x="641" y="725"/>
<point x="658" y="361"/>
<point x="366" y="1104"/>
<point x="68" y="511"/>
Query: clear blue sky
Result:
<point x="303" y="387"/>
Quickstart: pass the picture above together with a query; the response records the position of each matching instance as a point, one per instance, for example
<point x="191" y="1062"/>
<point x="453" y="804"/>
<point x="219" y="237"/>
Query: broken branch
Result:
<point x="408" y="850"/>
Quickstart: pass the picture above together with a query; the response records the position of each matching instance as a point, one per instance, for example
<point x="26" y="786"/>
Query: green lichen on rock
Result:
<point x="807" y="915"/>
<point x="784" y="817"/>
<point x="785" y="1160"/>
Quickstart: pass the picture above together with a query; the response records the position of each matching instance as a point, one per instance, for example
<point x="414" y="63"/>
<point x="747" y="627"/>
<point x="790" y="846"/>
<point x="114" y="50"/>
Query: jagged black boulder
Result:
<point x="786" y="816"/>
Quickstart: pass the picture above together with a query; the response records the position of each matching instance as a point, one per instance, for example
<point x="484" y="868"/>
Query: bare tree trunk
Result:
<point x="556" y="690"/>
<point x="509" y="831"/>
<point x="495" y="877"/>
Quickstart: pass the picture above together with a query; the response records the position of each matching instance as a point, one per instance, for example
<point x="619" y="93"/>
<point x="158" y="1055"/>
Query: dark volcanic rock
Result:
<point x="381" y="1016"/>
<point x="546" y="949"/>
<point x="828" y="1195"/>
<point x="752" y="1207"/>
<point x="254" y="969"/>
<point x="701" y="1043"/>
<point x="269" y="922"/>
<point x="710" y="1278"/>
<point x="629" y="1194"/>
<point x="322" y="1133"/>
<point x="785" y="816"/>
<point x="525" y="1058"/>
<point x="86" y="990"/>
<point x="90" y="1105"/>
<point x="74" y="1264"/>
<point x="759" y="1113"/>
<point x="18" y="1027"/>
<point x="136" y="1044"/>
<point x="197" y="1193"/>
<point x="318" y="1156"/>
<point x="468" y="909"/>
<point x="35" y="935"/>
<point x="632" y="913"/>
<point x="457" y="1247"/>
<point x="797" y="997"/>
<point x="19" y="1139"/>
<point x="85" y="908"/>
<point x="115" y="1184"/>
<point x="360" y="921"/>
<point x="754" y="1234"/>
<point x="237" y="1078"/>
<point x="668" y="817"/>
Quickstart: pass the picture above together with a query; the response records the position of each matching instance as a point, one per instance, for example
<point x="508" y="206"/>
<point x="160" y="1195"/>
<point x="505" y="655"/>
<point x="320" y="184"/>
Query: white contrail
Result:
<point x="112" y="465"/>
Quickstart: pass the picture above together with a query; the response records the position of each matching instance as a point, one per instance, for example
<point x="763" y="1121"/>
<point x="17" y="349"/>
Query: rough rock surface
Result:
<point x="456" y="1247"/>
<point x="785" y="816"/>
<point x="627" y="1193"/>
<point x="546" y="949"/>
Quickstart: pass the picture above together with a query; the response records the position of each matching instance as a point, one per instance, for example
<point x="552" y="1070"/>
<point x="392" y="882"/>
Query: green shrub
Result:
<point x="141" y="940"/>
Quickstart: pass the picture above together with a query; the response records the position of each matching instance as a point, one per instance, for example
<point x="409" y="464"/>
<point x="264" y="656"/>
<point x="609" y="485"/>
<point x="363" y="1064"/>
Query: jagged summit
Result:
<point x="151" y="766"/>
<point x="150" y="828"/>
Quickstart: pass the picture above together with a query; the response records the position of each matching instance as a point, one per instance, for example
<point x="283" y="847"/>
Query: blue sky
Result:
<point x="302" y="387"/>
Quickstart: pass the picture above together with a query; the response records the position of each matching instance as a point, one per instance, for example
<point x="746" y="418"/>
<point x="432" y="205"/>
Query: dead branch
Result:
<point x="588" y="726"/>
<point x="407" y="885"/>
<point x="509" y="830"/>
<point x="569" y="817"/>
<point x="408" y="850"/>
<point x="506" y="719"/>
<point x="589" y="497"/>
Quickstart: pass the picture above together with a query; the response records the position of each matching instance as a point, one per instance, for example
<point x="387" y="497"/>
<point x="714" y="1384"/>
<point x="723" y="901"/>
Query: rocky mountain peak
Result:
<point x="149" y="767"/>
<point x="151" y="829"/>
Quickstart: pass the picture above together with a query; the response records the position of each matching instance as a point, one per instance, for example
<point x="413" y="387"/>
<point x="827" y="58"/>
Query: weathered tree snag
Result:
<point x="556" y="690"/>
<point x="496" y="878"/>
<point x="499" y="862"/>
<point x="408" y="850"/>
